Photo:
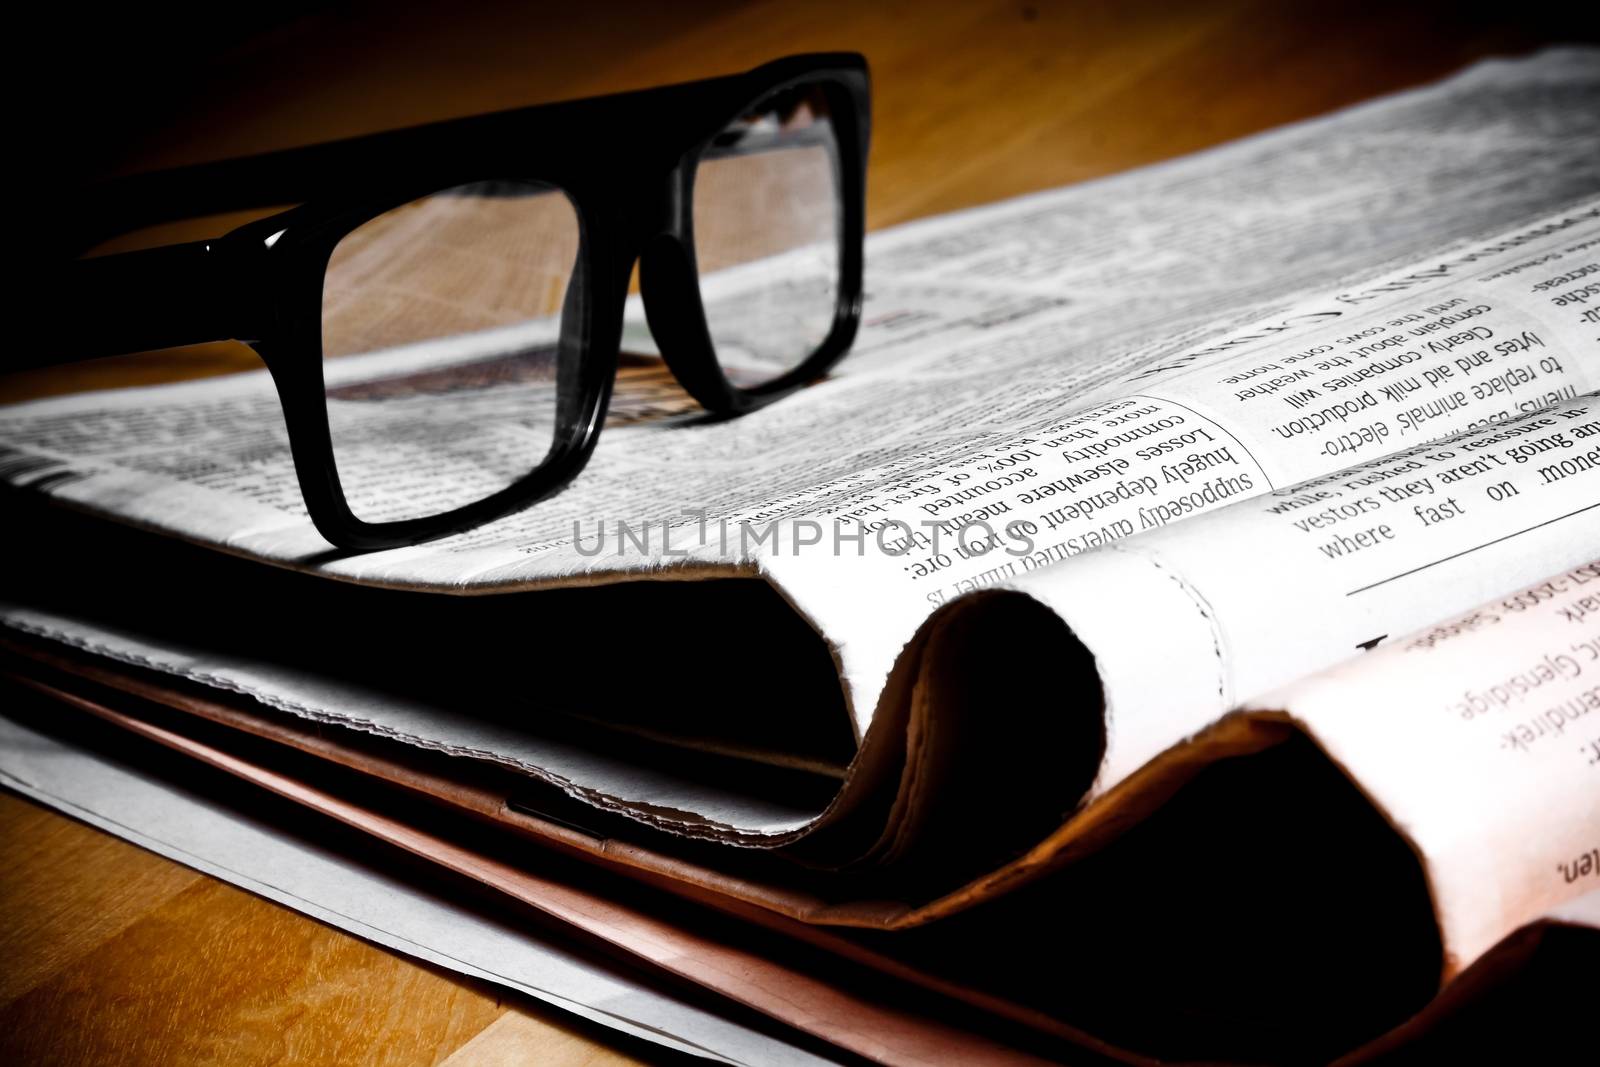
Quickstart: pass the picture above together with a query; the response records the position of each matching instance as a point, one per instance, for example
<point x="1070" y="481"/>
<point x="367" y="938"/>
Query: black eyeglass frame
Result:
<point x="626" y="162"/>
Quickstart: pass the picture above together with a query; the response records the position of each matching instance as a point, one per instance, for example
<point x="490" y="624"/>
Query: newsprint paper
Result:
<point x="1235" y="420"/>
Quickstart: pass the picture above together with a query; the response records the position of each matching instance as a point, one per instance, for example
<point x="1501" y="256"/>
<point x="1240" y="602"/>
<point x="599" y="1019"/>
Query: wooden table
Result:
<point x="114" y="955"/>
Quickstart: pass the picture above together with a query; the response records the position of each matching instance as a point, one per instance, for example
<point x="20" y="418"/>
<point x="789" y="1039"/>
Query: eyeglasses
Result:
<point x="442" y="314"/>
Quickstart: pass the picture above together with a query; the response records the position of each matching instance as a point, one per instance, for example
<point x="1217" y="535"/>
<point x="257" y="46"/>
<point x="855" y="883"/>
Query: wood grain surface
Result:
<point x="113" y="955"/>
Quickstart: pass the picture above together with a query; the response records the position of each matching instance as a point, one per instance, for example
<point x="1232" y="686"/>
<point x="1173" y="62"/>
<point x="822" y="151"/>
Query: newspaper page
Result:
<point x="1501" y="705"/>
<point x="1317" y="425"/>
<point x="1251" y="597"/>
<point x="1087" y="324"/>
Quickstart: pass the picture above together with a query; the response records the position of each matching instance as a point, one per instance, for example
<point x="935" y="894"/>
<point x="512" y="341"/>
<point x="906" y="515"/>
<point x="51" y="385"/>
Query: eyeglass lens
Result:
<point x="767" y="235"/>
<point x="441" y="323"/>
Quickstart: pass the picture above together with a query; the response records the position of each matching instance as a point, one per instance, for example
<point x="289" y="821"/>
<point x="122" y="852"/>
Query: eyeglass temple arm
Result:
<point x="179" y="294"/>
<point x="165" y="297"/>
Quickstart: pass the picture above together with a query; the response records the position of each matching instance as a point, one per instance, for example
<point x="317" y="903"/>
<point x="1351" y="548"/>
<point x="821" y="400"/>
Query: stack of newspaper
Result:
<point x="1173" y="634"/>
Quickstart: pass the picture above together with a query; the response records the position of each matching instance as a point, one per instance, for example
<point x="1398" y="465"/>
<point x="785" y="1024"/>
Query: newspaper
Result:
<point x="1233" y="419"/>
<point x="1502" y="707"/>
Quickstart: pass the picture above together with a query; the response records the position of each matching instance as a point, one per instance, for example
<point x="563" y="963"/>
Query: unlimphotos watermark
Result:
<point x="695" y="531"/>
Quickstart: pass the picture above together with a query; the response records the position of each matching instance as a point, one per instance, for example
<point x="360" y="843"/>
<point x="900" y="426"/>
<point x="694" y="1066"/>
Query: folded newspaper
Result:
<point x="1194" y="573"/>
